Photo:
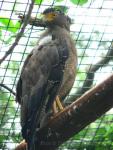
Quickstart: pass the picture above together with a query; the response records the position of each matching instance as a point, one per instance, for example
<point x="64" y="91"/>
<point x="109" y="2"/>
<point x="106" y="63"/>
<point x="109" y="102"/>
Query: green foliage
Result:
<point x="2" y="139"/>
<point x="75" y="2"/>
<point x="38" y="2"/>
<point x="13" y="66"/>
<point x="94" y="137"/>
<point x="63" y="9"/>
<point x="6" y="99"/>
<point x="59" y="0"/>
<point x="79" y="2"/>
<point x="9" y="25"/>
<point x="8" y="110"/>
<point x="81" y="74"/>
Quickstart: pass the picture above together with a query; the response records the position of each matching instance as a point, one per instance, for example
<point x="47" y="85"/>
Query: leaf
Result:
<point x="2" y="138"/>
<point x="13" y="66"/>
<point x="16" y="26"/>
<point x="63" y="9"/>
<point x="38" y="2"/>
<point x="0" y="34"/>
<point x="9" y="24"/>
<point x="79" y="2"/>
<point x="59" y="0"/>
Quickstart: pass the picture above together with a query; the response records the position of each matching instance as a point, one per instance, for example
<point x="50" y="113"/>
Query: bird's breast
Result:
<point x="45" y="40"/>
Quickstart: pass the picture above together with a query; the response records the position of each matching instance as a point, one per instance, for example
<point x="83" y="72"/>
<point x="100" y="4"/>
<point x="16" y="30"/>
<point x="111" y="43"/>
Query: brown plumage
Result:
<point x="48" y="71"/>
<point x="69" y="73"/>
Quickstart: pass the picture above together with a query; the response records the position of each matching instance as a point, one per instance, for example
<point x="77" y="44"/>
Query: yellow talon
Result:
<point x="54" y="107"/>
<point x="57" y="105"/>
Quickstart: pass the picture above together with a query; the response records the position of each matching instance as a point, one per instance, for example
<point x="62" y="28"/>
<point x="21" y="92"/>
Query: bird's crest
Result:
<point x="50" y="13"/>
<point x="56" y="9"/>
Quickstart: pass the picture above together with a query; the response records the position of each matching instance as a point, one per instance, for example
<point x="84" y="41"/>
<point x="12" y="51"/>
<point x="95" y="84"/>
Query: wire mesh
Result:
<point x="92" y="32"/>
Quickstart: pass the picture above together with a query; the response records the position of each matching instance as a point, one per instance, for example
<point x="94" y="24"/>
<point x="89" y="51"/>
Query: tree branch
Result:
<point x="33" y="21"/>
<point x="22" y="146"/>
<point x="7" y="88"/>
<point x="91" y="73"/>
<point x="19" y="35"/>
<point x="77" y="116"/>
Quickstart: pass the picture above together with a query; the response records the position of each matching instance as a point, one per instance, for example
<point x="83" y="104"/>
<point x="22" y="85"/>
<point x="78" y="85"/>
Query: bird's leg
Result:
<point x="54" y="107"/>
<point x="59" y="104"/>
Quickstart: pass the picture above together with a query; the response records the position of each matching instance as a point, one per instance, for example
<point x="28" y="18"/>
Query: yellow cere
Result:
<point x="49" y="16"/>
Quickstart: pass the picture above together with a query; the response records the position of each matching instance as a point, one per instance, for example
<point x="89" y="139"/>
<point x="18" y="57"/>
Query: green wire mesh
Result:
<point x="92" y="31"/>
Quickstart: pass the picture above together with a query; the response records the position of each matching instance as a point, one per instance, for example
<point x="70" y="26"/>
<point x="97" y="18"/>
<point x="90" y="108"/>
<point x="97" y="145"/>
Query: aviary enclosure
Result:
<point x="92" y="31"/>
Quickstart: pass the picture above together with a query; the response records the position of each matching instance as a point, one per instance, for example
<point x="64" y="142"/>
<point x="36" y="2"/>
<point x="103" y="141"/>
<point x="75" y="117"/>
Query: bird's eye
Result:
<point x="54" y="15"/>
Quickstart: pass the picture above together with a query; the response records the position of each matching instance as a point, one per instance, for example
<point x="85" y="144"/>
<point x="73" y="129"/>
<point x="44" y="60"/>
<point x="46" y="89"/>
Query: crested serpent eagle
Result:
<point x="48" y="72"/>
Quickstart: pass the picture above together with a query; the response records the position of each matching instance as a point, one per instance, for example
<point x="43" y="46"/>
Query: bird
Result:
<point x="48" y="73"/>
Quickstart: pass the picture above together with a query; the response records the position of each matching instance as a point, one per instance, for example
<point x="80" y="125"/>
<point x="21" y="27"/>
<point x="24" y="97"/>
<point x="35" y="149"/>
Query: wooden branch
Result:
<point x="76" y="116"/>
<point x="19" y="35"/>
<point x="32" y="21"/>
<point x="7" y="88"/>
<point x="22" y="146"/>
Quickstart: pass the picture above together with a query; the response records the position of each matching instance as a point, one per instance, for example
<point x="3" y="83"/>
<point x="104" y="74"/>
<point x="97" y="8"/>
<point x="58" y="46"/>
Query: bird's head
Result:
<point x="55" y="16"/>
